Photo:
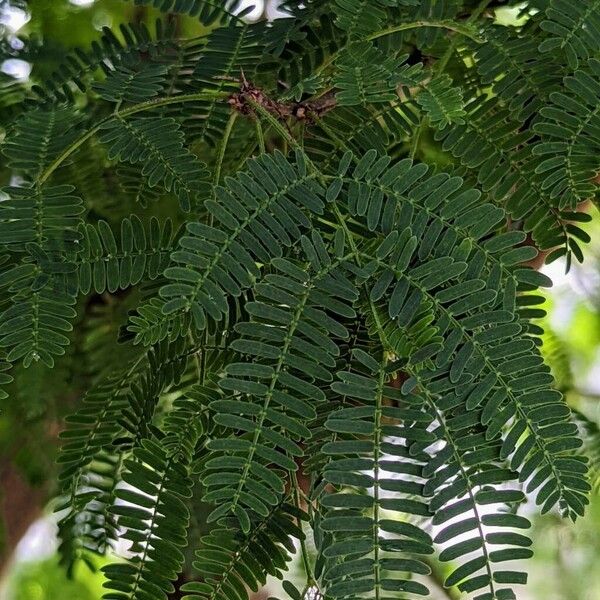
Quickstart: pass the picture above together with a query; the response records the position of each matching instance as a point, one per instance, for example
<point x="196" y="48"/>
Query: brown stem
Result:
<point x="20" y="505"/>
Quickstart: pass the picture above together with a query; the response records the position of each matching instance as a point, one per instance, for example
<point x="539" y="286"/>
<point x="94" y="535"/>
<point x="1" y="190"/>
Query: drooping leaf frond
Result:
<point x="475" y="343"/>
<point x="504" y="162"/>
<point x="259" y="213"/>
<point x="113" y="416"/>
<point x="569" y="139"/>
<point x="159" y="478"/>
<point x="288" y="353"/>
<point x="229" y="563"/>
<point x="39" y="136"/>
<point x="467" y="480"/>
<point x="37" y="223"/>
<point x="155" y="518"/>
<point x="374" y="478"/>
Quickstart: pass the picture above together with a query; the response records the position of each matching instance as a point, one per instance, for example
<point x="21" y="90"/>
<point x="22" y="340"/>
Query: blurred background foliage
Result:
<point x="45" y="580"/>
<point x="35" y="36"/>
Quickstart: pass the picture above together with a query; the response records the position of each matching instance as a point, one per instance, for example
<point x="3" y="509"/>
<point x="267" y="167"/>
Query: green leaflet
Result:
<point x="142" y="254"/>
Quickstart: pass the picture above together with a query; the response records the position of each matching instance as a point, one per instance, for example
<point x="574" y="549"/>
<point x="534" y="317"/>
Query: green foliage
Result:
<point x="573" y="30"/>
<point x="127" y="85"/>
<point x="281" y="346"/>
<point x="158" y="144"/>
<point x="143" y="254"/>
<point x="125" y="47"/>
<point x="366" y="552"/>
<point x="230" y="562"/>
<point x="289" y="306"/>
<point x="365" y="75"/>
<point x="47" y="580"/>
<point x="569" y="176"/>
<point x="38" y="136"/>
<point x="442" y="102"/>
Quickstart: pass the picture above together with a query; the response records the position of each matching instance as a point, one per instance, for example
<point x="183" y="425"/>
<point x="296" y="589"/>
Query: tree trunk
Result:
<point x="20" y="505"/>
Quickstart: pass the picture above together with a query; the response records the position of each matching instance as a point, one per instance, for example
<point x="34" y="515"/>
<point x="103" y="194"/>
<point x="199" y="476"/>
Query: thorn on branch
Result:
<point x="301" y="111"/>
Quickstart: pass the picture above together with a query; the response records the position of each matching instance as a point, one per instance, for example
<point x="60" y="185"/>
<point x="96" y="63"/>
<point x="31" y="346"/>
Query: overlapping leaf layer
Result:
<point x="329" y="307"/>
